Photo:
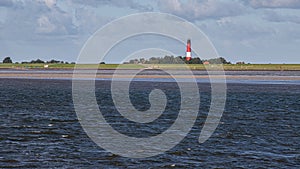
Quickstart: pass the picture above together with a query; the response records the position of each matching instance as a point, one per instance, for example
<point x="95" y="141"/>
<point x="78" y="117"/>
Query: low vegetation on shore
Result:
<point x="167" y="62"/>
<point x="234" y="67"/>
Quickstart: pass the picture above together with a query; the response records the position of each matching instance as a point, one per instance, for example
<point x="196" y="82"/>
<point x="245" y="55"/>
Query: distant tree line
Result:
<point x="219" y="60"/>
<point x="41" y="61"/>
<point x="9" y="60"/>
<point x="176" y="60"/>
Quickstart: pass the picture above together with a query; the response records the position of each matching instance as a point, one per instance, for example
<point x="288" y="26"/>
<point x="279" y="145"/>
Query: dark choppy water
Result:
<point x="39" y="128"/>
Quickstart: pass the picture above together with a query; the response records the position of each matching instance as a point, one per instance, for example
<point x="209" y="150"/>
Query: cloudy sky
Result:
<point x="255" y="31"/>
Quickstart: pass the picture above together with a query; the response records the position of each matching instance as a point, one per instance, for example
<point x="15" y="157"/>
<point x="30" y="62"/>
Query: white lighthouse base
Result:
<point x="188" y="56"/>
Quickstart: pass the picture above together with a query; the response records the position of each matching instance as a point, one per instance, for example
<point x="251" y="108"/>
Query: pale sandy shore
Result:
<point x="123" y="76"/>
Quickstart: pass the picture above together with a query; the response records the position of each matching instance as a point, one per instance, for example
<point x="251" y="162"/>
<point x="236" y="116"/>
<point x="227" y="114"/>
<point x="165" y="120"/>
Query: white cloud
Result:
<point x="6" y="3"/>
<point x="90" y="25"/>
<point x="50" y="3"/>
<point x="237" y="26"/>
<point x="117" y="3"/>
<point x="44" y="25"/>
<point x="205" y="9"/>
<point x="275" y="3"/>
<point x="273" y="16"/>
<point x="49" y="17"/>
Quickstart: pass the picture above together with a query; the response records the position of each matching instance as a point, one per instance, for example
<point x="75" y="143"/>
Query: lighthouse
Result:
<point x="188" y="50"/>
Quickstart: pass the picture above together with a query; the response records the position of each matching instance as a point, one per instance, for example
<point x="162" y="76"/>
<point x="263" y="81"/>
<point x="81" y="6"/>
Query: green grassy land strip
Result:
<point x="70" y="66"/>
<point x="174" y="66"/>
<point x="263" y="67"/>
<point x="243" y="67"/>
<point x="24" y="66"/>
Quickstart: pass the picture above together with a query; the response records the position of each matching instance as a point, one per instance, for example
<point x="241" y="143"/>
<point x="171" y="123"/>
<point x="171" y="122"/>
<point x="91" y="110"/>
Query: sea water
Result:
<point x="260" y="126"/>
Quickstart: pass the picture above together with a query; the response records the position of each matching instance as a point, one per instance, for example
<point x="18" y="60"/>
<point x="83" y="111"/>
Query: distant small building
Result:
<point x="240" y="63"/>
<point x="206" y="63"/>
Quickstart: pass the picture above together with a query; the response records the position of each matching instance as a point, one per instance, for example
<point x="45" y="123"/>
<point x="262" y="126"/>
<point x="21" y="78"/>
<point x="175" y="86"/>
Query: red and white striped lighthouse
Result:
<point x="188" y="50"/>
